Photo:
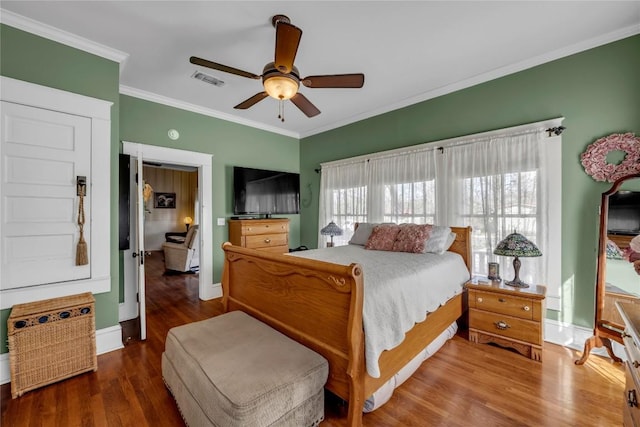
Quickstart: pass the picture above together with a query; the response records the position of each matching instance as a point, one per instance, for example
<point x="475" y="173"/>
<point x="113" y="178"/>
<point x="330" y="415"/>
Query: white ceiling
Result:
<point x="409" y="51"/>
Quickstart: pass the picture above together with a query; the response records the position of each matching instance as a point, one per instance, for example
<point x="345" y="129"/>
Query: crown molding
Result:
<point x="52" y="33"/>
<point x="582" y="46"/>
<point x="171" y="102"/>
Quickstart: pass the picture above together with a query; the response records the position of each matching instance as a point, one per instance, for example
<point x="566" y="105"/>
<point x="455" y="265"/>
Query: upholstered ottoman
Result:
<point x="233" y="370"/>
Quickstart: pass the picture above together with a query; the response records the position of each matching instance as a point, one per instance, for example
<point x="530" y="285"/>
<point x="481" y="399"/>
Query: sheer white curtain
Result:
<point x="391" y="188"/>
<point x="496" y="182"/>
<point x="343" y="198"/>
<point x="497" y="186"/>
<point x="402" y="187"/>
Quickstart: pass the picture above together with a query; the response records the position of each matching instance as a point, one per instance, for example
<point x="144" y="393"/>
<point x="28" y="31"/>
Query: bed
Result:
<point x="320" y="304"/>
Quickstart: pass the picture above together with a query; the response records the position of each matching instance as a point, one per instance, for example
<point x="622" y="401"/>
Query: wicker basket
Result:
<point x="51" y="340"/>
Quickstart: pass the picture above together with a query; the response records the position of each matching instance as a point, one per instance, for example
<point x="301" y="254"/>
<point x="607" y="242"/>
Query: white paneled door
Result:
<point x="42" y="154"/>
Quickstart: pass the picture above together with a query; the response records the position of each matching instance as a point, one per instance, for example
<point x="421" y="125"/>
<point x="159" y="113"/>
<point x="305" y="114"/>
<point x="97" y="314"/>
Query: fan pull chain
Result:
<point x="281" y="110"/>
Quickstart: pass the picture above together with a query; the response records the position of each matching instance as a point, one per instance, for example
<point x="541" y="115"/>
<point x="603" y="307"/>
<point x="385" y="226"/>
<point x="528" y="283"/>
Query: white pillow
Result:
<point x="439" y="240"/>
<point x="450" y="240"/>
<point x="362" y="233"/>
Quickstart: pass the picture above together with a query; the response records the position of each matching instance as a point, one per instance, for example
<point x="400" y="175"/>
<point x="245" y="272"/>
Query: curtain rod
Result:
<point x="551" y="126"/>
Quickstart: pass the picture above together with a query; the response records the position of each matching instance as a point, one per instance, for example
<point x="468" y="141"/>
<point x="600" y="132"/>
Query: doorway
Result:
<point x="133" y="306"/>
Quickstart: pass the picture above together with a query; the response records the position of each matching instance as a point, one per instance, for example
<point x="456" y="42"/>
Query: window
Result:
<point x="499" y="202"/>
<point x="349" y="205"/>
<point x="495" y="182"/>
<point x="410" y="202"/>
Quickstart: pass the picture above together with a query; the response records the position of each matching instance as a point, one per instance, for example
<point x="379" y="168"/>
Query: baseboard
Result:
<point x="212" y="291"/>
<point x="564" y="334"/>
<point x="574" y="337"/>
<point x="107" y="339"/>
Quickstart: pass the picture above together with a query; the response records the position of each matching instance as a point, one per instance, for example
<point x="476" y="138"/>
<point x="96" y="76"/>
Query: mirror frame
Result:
<point x="600" y="323"/>
<point x="604" y="331"/>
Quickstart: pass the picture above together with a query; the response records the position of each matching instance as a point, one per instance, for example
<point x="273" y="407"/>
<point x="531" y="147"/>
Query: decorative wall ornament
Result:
<point x="594" y="159"/>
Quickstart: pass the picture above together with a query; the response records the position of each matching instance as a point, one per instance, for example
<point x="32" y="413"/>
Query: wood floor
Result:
<point x="464" y="384"/>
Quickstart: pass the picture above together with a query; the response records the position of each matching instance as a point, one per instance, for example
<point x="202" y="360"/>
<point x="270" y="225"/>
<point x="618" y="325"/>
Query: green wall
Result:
<point x="598" y="93"/>
<point x="230" y="143"/>
<point x="27" y="57"/>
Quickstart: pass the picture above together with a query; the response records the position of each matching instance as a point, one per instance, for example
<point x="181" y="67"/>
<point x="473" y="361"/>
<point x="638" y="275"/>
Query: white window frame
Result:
<point x="553" y="164"/>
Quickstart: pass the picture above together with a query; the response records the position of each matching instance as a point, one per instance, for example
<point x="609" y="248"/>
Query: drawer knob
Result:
<point x="526" y="308"/>
<point x="632" y="399"/>
<point x="479" y="299"/>
<point x="636" y="364"/>
<point x="267" y="240"/>
<point x="502" y="300"/>
<point x="502" y="325"/>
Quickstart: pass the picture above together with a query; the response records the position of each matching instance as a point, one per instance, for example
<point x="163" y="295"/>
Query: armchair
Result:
<point x="183" y="256"/>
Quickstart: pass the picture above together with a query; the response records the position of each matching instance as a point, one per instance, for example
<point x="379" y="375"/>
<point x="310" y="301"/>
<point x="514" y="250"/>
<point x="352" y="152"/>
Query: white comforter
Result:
<point x="400" y="289"/>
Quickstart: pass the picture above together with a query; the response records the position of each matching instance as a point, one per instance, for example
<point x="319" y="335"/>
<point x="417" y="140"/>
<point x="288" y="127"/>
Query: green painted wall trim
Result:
<point x="596" y="91"/>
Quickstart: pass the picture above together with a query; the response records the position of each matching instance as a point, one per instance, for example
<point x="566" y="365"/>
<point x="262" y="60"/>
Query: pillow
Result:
<point x="382" y="237"/>
<point x="438" y="239"/>
<point x="412" y="238"/>
<point x="450" y="240"/>
<point x="362" y="233"/>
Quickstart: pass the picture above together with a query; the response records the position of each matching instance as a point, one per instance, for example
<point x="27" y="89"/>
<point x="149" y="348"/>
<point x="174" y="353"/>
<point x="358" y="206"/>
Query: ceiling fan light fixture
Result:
<point x="281" y="87"/>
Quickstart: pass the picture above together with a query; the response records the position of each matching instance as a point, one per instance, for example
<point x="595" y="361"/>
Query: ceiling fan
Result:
<point x="280" y="78"/>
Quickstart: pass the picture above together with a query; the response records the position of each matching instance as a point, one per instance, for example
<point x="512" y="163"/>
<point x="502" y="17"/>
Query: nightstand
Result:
<point x="507" y="316"/>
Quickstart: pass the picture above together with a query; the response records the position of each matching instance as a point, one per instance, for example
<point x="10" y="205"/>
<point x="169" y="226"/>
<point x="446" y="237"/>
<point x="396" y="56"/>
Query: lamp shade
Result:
<point x="188" y="220"/>
<point x="331" y="229"/>
<point x="516" y="245"/>
<point x="281" y="86"/>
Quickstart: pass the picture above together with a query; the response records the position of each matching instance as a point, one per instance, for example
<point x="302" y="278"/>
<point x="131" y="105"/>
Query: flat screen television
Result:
<point x="265" y="192"/>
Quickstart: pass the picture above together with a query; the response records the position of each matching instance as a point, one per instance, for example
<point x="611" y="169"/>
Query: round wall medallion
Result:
<point x="173" y="134"/>
<point x="594" y="159"/>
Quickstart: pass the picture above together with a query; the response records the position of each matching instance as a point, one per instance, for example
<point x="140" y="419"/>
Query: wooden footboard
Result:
<point x="320" y="305"/>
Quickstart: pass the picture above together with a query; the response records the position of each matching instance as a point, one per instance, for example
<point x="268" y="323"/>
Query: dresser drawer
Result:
<point x="507" y="326"/>
<point x="262" y="228"/>
<point x="266" y="240"/>
<point x="276" y="249"/>
<point x="631" y="397"/>
<point x="523" y="308"/>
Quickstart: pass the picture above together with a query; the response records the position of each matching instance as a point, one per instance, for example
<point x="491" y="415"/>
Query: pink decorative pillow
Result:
<point x="382" y="237"/>
<point x="412" y="238"/>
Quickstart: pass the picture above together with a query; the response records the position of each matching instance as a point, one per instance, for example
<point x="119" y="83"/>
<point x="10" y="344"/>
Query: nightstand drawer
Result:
<point x="267" y="240"/>
<point x="507" y="326"/>
<point x="262" y="228"/>
<point x="523" y="308"/>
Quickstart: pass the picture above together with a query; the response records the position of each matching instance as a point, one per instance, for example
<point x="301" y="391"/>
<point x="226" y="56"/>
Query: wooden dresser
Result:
<point x="262" y="234"/>
<point x="507" y="316"/>
<point x="630" y="314"/>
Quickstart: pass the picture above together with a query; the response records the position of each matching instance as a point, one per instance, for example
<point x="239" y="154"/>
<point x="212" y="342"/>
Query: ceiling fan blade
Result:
<point x="204" y="63"/>
<point x="287" y="41"/>
<point x="251" y="101"/>
<point x="305" y="105"/>
<point x="335" y="81"/>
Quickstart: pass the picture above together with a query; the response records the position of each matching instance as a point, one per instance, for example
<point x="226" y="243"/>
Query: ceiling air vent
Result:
<point x="207" y="79"/>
